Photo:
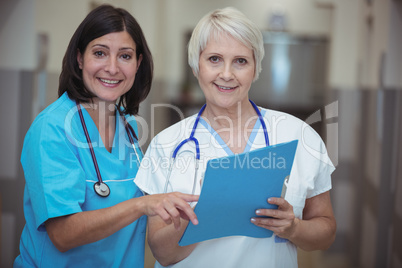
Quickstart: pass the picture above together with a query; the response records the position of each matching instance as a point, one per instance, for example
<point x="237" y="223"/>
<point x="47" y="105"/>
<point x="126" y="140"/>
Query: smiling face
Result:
<point x="109" y="65"/>
<point x="227" y="69"/>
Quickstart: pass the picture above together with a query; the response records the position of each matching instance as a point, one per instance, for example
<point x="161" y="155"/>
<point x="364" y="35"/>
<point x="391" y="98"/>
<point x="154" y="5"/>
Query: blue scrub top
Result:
<point x="60" y="175"/>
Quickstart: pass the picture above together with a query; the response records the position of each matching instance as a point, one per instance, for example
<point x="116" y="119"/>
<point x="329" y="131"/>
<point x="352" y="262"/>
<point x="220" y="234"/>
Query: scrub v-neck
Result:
<point x="95" y="135"/>
<point x="224" y="146"/>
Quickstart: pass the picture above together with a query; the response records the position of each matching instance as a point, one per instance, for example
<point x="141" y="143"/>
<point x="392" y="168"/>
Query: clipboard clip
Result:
<point x="284" y="187"/>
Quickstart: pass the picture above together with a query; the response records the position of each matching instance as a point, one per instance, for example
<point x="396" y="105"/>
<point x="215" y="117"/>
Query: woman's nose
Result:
<point x="112" y="66"/>
<point x="226" y="72"/>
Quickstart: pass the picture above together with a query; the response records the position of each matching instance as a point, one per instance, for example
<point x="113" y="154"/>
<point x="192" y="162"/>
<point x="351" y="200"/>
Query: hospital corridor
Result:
<point x="334" y="64"/>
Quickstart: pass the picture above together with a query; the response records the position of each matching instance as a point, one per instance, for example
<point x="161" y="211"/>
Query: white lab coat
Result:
<point x="310" y="176"/>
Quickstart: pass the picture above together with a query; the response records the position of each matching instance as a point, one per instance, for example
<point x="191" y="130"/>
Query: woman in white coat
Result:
<point x="225" y="53"/>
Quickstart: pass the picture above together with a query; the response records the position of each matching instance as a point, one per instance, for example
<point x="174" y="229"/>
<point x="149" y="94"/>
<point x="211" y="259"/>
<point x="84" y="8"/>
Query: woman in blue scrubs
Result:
<point x="68" y="224"/>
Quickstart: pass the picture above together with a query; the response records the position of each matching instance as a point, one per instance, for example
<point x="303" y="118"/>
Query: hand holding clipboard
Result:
<point x="234" y="187"/>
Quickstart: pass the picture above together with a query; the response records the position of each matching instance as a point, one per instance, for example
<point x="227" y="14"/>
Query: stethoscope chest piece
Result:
<point x="101" y="189"/>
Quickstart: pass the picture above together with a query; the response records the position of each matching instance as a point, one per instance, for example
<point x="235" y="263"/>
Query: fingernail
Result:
<point x="258" y="211"/>
<point x="252" y="219"/>
<point x="269" y="199"/>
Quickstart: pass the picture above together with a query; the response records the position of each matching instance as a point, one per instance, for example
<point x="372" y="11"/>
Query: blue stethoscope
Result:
<point x="100" y="187"/>
<point x="197" y="146"/>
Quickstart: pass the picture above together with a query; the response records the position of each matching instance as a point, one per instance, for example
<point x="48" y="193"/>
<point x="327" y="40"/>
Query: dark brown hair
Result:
<point x="103" y="20"/>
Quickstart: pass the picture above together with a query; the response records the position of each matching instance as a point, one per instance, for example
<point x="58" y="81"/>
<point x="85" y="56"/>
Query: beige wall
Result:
<point x="360" y="36"/>
<point x="17" y="35"/>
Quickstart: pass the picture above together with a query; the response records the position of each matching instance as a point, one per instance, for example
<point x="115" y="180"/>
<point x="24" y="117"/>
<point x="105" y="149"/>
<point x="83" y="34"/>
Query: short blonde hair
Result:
<point x="225" y="21"/>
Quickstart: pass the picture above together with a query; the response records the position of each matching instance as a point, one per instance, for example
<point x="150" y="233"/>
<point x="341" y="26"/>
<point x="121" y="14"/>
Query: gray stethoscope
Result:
<point x="197" y="147"/>
<point x="100" y="187"/>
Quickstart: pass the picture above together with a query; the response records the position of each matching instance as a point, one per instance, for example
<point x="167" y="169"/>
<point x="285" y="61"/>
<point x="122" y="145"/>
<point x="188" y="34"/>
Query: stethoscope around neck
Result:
<point x="197" y="146"/>
<point x="100" y="187"/>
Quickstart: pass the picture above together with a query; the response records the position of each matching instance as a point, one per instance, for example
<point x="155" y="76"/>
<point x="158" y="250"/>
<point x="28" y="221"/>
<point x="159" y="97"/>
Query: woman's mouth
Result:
<point x="225" y="89"/>
<point x="108" y="81"/>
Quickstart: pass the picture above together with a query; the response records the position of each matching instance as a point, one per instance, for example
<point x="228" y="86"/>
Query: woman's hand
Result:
<point x="315" y="231"/>
<point x="86" y="227"/>
<point x="171" y="207"/>
<point x="281" y="221"/>
<point x="163" y="237"/>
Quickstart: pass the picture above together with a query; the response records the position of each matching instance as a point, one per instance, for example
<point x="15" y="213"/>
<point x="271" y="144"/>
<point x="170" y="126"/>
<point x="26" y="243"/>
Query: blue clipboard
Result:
<point x="234" y="187"/>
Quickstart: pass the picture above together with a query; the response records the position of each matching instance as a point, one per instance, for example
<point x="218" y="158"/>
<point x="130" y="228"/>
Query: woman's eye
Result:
<point x="241" y="61"/>
<point x="99" y="53"/>
<point x="126" y="56"/>
<point x="214" y="59"/>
